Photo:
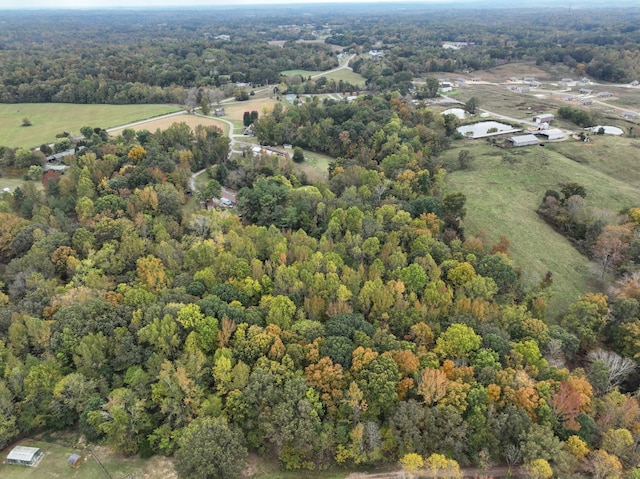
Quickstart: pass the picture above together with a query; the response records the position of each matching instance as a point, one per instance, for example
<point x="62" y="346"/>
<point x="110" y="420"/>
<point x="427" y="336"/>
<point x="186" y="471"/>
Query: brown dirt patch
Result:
<point x="164" y="123"/>
<point x="159" y="468"/>
<point x="235" y="111"/>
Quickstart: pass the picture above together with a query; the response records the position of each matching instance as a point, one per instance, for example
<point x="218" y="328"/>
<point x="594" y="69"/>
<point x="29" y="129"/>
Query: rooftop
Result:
<point x="23" y="453"/>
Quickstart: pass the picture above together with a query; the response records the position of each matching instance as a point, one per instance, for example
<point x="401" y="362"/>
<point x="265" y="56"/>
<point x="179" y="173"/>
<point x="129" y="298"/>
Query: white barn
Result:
<point x="25" y="456"/>
<point x="552" y="134"/>
<point x="524" y="140"/>
<point x="544" y="118"/>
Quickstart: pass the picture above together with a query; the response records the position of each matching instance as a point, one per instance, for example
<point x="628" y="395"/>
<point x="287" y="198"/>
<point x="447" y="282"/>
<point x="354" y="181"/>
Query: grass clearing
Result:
<point x="11" y="183"/>
<point x="344" y="74"/>
<point x="502" y="197"/>
<point x="315" y="166"/>
<point x="302" y="73"/>
<point x="54" y="464"/>
<point x="347" y="75"/>
<point x="50" y="119"/>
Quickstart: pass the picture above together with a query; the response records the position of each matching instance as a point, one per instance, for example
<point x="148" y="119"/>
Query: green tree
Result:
<point x="457" y="342"/>
<point x="471" y="106"/>
<point x="125" y="422"/>
<point x="298" y="154"/>
<point x="210" y="448"/>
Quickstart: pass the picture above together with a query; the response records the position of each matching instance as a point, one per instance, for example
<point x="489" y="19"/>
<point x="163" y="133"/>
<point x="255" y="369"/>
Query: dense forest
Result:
<point x="126" y="57"/>
<point x="347" y="323"/>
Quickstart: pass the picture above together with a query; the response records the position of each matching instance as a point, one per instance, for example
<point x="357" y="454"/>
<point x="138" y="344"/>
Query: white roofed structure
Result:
<point x="25" y="456"/>
<point x="524" y="140"/>
<point x="552" y="134"/>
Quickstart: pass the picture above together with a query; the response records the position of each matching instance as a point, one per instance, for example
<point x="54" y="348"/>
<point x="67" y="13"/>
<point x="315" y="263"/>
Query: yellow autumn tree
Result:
<point x="137" y="153"/>
<point x="411" y="463"/>
<point x="151" y="273"/>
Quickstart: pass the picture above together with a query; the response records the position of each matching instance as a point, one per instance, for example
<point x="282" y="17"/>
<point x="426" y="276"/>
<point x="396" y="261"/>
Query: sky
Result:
<point x="85" y="4"/>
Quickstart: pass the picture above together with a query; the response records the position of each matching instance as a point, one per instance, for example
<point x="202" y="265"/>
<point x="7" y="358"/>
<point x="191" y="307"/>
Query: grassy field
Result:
<point x="302" y="73"/>
<point x="502" y="197"/>
<point x="49" y="119"/>
<point x="11" y="183"/>
<point x="315" y="166"/>
<point x="54" y="465"/>
<point x="344" y="74"/>
<point x="347" y="76"/>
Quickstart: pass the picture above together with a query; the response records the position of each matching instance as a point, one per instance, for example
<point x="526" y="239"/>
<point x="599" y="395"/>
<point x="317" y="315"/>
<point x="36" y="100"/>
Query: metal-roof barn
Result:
<point x="552" y="134"/>
<point x="25" y="456"/>
<point x="523" y="140"/>
<point x="544" y="118"/>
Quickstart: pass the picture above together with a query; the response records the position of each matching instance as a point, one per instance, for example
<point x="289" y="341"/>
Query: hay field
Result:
<point x="49" y="119"/>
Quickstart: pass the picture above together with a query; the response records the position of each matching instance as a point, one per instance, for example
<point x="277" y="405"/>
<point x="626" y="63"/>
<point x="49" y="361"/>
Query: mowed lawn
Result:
<point x="348" y="76"/>
<point x="502" y="197"/>
<point x="54" y="465"/>
<point x="49" y="119"/>
<point x="343" y="74"/>
<point x="12" y="184"/>
<point x="315" y="166"/>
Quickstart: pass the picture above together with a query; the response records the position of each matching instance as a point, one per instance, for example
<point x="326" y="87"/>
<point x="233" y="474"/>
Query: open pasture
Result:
<point x="50" y="119"/>
<point x="504" y="188"/>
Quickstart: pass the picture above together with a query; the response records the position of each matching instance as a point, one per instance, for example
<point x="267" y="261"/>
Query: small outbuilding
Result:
<point x="25" y="456"/>
<point x="524" y="140"/>
<point x="544" y="118"/>
<point x="74" y="460"/>
<point x="552" y="134"/>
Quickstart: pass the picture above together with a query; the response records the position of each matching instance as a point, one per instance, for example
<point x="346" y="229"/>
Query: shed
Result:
<point x="74" y="460"/>
<point x="25" y="456"/>
<point x="552" y="134"/>
<point x="543" y="118"/>
<point x="524" y="140"/>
